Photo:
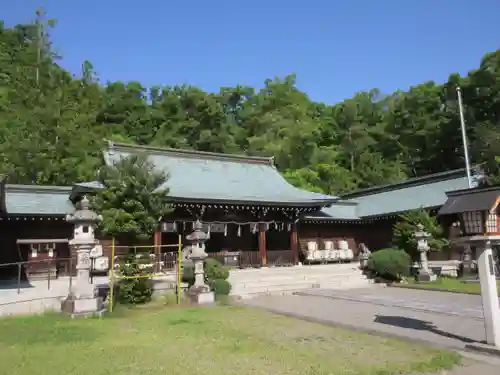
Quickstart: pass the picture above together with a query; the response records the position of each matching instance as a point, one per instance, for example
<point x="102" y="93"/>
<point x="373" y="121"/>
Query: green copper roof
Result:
<point x="214" y="177"/>
<point x="424" y="192"/>
<point x="37" y="200"/>
<point x="339" y="210"/>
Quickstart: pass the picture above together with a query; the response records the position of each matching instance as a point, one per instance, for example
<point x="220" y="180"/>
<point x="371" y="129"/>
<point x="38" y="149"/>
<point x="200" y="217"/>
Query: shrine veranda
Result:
<point x="254" y="216"/>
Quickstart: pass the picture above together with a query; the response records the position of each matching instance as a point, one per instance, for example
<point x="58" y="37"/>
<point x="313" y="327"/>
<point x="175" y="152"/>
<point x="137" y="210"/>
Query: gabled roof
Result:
<point x="422" y="192"/>
<point x="37" y="200"/>
<point x="202" y="176"/>
<point x="480" y="199"/>
<point x="340" y="210"/>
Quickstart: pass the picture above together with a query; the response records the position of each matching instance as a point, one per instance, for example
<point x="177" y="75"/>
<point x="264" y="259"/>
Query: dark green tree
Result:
<point x="132" y="200"/>
<point x="406" y="226"/>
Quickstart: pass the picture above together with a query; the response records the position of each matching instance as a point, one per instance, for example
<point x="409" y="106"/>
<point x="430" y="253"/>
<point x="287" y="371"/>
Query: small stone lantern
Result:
<point x="82" y="299"/>
<point x="364" y="255"/>
<point x="425" y="274"/>
<point x="199" y="292"/>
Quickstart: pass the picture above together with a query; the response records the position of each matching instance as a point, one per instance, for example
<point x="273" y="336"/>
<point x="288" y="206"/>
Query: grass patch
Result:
<point x="221" y="340"/>
<point x="446" y="284"/>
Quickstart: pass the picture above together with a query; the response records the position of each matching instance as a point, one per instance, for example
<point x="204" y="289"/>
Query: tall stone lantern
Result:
<point x="83" y="299"/>
<point x="199" y="292"/>
<point x="425" y="274"/>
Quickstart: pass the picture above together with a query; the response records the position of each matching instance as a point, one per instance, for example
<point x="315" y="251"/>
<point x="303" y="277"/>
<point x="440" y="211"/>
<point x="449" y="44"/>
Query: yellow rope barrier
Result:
<point x="113" y="278"/>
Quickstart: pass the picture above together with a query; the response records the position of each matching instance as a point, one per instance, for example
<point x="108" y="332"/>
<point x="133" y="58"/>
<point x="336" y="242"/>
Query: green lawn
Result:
<point x="219" y="340"/>
<point x="446" y="284"/>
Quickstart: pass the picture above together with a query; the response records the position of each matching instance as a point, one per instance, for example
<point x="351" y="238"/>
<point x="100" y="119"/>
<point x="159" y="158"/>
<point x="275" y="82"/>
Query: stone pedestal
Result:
<point x="363" y="261"/>
<point x="83" y="298"/>
<point x="200" y="293"/>
<point x="489" y="290"/>
<point x="426" y="276"/>
<point x="489" y="293"/>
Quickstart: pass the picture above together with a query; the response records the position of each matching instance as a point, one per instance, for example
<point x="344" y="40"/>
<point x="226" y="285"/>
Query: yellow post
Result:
<point x="179" y="270"/>
<point x="112" y="276"/>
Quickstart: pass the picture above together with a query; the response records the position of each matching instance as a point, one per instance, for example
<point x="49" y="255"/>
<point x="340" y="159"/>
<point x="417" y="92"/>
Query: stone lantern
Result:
<point x="199" y="292"/>
<point x="425" y="274"/>
<point x="477" y="211"/>
<point x="364" y="255"/>
<point x="83" y="299"/>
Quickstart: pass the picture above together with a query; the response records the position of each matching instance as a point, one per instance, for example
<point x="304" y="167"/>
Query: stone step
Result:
<point x="290" y="289"/>
<point x="291" y="275"/>
<point x="273" y="288"/>
<point x="292" y="281"/>
<point x="331" y="283"/>
<point x="315" y="268"/>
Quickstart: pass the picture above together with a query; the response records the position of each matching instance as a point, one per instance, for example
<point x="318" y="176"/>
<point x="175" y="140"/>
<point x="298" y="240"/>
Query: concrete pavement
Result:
<point x="438" y="319"/>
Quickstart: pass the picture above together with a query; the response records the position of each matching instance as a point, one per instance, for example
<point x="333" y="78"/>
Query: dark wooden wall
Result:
<point x="11" y="230"/>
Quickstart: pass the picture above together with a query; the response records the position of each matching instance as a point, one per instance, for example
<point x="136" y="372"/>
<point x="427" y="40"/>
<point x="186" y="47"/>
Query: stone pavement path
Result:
<point x="431" y="318"/>
<point x="472" y="368"/>
<point x="429" y="301"/>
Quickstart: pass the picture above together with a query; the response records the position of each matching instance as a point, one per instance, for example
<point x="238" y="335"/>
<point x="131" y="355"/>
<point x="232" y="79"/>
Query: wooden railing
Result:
<point x="237" y="259"/>
<point x="280" y="258"/>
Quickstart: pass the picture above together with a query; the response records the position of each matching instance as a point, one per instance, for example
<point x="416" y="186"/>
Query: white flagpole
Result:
<point x="464" y="137"/>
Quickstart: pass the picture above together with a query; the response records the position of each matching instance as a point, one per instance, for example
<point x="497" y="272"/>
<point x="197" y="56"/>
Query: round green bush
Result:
<point x="134" y="291"/>
<point x="220" y="287"/>
<point x="215" y="270"/>
<point x="188" y="273"/>
<point x="390" y="264"/>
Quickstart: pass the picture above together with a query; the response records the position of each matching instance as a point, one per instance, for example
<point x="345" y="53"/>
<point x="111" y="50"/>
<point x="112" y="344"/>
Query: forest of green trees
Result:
<point x="52" y="123"/>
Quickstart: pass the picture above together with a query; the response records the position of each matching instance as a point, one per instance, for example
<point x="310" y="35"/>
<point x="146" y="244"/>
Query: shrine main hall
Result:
<point x="243" y="201"/>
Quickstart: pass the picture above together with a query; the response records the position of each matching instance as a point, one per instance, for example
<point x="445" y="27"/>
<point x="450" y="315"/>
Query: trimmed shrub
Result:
<point x="188" y="272"/>
<point x="215" y="270"/>
<point x="390" y="264"/>
<point x="216" y="275"/>
<point x="220" y="287"/>
<point x="134" y="291"/>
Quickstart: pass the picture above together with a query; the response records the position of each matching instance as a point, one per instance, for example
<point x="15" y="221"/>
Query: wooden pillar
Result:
<point x="262" y="244"/>
<point x="157" y="248"/>
<point x="295" y="243"/>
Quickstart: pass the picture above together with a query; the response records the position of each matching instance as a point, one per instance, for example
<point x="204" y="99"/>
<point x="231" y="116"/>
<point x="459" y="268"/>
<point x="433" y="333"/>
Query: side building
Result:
<point x="368" y="216"/>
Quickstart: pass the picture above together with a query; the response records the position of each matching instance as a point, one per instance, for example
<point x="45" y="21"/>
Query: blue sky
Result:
<point x="335" y="47"/>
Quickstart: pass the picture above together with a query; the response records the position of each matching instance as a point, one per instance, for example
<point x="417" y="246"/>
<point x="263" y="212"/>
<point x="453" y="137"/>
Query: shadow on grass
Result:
<point x="419" y="325"/>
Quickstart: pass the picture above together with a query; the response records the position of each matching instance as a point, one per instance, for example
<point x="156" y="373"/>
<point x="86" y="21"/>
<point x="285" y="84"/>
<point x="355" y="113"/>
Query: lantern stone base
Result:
<point x="201" y="295"/>
<point x="83" y="306"/>
<point x="426" y="276"/>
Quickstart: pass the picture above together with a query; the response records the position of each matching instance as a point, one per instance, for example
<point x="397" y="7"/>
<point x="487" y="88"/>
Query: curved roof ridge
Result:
<point x="128" y="147"/>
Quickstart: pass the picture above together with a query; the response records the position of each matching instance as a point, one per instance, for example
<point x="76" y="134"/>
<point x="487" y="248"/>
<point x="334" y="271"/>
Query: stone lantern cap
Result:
<point x="197" y="236"/>
<point x="421" y="234"/>
<point x="84" y="214"/>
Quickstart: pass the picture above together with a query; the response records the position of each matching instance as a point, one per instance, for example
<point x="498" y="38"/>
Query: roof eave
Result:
<point x="330" y="219"/>
<point x="315" y="203"/>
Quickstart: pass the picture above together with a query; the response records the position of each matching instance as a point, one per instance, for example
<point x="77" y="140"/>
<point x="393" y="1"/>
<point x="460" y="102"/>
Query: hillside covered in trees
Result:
<point x="52" y="124"/>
